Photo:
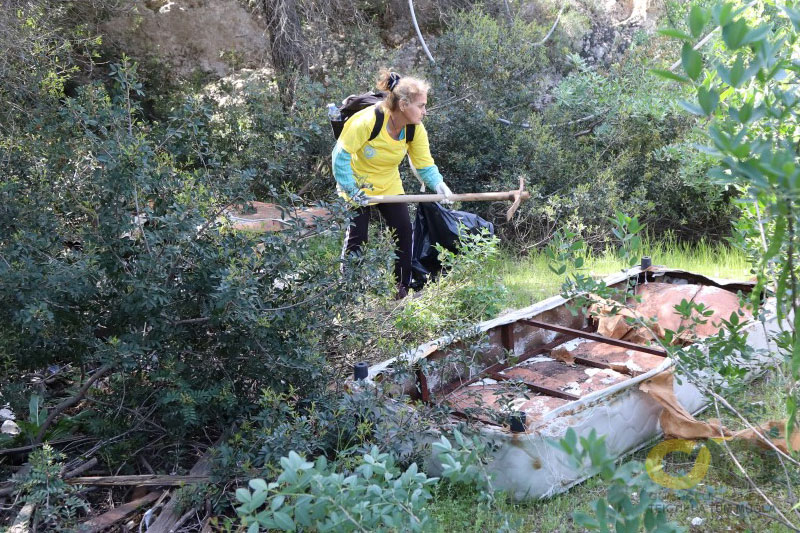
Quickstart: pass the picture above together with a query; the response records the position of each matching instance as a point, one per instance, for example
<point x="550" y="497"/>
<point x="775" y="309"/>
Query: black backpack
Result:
<point x="355" y="103"/>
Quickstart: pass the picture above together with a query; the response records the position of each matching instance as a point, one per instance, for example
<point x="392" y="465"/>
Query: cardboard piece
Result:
<point x="677" y="423"/>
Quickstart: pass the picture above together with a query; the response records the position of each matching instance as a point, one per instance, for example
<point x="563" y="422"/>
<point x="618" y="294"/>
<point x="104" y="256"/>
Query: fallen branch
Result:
<point x="69" y="402"/>
<point x="22" y="521"/>
<point x="82" y="468"/>
<point x="146" y="480"/>
<point x="182" y="520"/>
<point x="29" y="447"/>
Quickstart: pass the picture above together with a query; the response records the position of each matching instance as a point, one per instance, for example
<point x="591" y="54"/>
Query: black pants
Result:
<point x="396" y="217"/>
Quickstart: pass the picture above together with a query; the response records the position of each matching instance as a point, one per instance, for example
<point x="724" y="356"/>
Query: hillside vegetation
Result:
<point x="141" y="334"/>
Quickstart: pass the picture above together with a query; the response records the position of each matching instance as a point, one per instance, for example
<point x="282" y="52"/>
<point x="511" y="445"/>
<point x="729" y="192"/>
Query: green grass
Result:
<point x="530" y="280"/>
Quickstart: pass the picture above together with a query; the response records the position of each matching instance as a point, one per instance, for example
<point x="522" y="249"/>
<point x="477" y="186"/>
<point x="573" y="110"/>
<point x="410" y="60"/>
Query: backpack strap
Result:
<point x="376" y="129"/>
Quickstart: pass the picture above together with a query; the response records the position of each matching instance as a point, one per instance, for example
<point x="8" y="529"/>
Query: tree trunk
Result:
<point x="288" y="47"/>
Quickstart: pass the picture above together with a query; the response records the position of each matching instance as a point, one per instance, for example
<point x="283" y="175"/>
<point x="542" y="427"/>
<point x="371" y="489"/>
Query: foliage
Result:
<point x="114" y="251"/>
<point x="469" y="291"/>
<point x="290" y="150"/>
<point x="346" y="423"/>
<point x="588" y="143"/>
<point x="376" y="495"/>
<point x="464" y="464"/>
<point x="632" y="503"/>
<point x="567" y="252"/>
<point x="745" y="87"/>
<point x="57" y="504"/>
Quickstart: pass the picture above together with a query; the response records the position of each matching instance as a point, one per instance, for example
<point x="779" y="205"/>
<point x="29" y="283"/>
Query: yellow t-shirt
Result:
<point x="375" y="163"/>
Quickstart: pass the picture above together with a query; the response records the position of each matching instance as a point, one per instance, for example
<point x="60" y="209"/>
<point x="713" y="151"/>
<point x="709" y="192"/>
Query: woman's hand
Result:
<point x="445" y="191"/>
<point x="359" y="198"/>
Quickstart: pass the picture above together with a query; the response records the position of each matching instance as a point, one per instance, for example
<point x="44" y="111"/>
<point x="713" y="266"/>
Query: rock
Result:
<point x="10" y="427"/>
<point x="7" y="414"/>
<point x="215" y="36"/>
<point x="697" y="521"/>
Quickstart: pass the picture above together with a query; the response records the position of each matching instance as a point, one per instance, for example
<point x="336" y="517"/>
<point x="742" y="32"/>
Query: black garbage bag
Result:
<point x="433" y="225"/>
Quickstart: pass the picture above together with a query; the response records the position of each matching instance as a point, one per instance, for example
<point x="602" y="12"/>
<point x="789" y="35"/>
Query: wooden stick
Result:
<point x="467" y="197"/>
<point x="142" y="480"/>
<point x="91" y="463"/>
<point x="515" y="196"/>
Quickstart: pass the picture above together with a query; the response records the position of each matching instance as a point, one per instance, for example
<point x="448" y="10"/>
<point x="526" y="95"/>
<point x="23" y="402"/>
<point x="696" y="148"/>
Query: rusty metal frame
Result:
<point x="595" y="337"/>
<point x="497" y="367"/>
<point x="599" y="364"/>
<point x="536" y="388"/>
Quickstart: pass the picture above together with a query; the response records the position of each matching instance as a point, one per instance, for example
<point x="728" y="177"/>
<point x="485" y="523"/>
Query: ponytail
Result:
<point x="399" y="88"/>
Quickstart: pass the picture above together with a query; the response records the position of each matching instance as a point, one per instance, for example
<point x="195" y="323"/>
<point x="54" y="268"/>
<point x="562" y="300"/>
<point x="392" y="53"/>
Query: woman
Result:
<point x="365" y="167"/>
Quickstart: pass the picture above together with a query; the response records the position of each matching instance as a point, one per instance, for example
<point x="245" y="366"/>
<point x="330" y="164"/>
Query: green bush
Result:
<point x="378" y="496"/>
<point x="114" y="253"/>
<point x="610" y="139"/>
<point x="632" y="502"/>
<point x="57" y="506"/>
<point x="375" y="495"/>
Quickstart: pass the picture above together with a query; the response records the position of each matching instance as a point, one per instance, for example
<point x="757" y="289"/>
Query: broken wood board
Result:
<point x="117" y="514"/>
<point x="271" y="217"/>
<point x="144" y="480"/>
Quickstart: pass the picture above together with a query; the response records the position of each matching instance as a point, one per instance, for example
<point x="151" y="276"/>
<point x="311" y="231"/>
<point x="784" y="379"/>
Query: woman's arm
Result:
<point x="342" y="170"/>
<point x="353" y="137"/>
<point x="430" y="176"/>
<point x="419" y="153"/>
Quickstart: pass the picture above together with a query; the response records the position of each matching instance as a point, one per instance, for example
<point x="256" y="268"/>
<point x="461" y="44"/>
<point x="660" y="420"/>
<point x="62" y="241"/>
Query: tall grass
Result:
<point x="529" y="279"/>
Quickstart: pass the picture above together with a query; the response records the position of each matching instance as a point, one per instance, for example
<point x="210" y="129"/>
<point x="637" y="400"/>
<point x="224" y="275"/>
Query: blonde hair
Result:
<point x="400" y="88"/>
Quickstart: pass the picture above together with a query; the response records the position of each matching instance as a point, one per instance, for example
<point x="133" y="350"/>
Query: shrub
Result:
<point x="57" y="505"/>
<point x="114" y="253"/>
<point x="632" y="503"/>
<point x="610" y="140"/>
<point x="376" y="495"/>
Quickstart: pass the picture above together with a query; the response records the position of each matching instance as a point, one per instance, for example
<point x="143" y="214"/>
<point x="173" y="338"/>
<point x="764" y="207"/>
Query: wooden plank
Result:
<point x="117" y="514"/>
<point x="595" y="337"/>
<point x="147" y="480"/>
<point x="169" y="514"/>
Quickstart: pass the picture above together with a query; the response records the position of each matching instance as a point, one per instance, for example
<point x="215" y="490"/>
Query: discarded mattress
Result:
<point x="555" y="371"/>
